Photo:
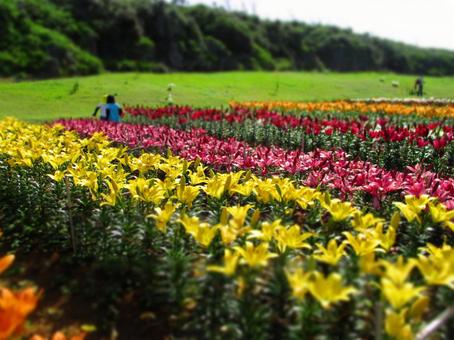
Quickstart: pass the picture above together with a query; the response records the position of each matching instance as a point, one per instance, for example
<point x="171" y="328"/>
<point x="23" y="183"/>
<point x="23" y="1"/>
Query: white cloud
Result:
<point x="420" y="22"/>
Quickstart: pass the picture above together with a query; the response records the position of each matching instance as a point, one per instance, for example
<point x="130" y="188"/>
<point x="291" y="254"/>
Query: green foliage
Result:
<point x="45" y="38"/>
<point x="28" y="47"/>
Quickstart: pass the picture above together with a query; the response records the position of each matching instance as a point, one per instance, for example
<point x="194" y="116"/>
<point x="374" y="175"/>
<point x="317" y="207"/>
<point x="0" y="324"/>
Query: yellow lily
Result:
<point x="205" y="234"/>
<point x="338" y="210"/>
<point x="396" y="326"/>
<point x="215" y="186"/>
<point x="408" y="212"/>
<point x="191" y="224"/>
<point x="265" y="190"/>
<point x="145" y="162"/>
<point x="255" y="256"/>
<point x="306" y="197"/>
<point x="104" y="160"/>
<point x="25" y="158"/>
<point x="285" y="189"/>
<point x="299" y="281"/>
<point x="239" y="214"/>
<point x="331" y="254"/>
<point x="231" y="180"/>
<point x="142" y="189"/>
<point x="230" y="264"/>
<point x="154" y="194"/>
<point x="329" y="290"/>
<point x="228" y="234"/>
<point x="363" y="222"/>
<point x="387" y="239"/>
<point x="292" y="237"/>
<point x="112" y="196"/>
<point x="56" y="161"/>
<point x="202" y="232"/>
<point x="398" y="295"/>
<point x="186" y="194"/>
<point x="136" y="186"/>
<point x="443" y="252"/>
<point x="167" y="185"/>
<point x="437" y="270"/>
<point x="89" y="179"/>
<point x="267" y="231"/>
<point x="441" y="215"/>
<point x="196" y="179"/>
<point x="172" y="172"/>
<point x="369" y="265"/>
<point x="173" y="166"/>
<point x="362" y="244"/>
<point x="58" y="176"/>
<point x="413" y="206"/>
<point x="399" y="271"/>
<point x="77" y="172"/>
<point x="117" y="175"/>
<point x="244" y="189"/>
<point x="163" y="216"/>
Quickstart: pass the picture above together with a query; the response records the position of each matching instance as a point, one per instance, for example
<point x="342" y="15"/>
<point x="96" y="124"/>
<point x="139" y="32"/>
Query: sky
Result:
<point x="425" y="23"/>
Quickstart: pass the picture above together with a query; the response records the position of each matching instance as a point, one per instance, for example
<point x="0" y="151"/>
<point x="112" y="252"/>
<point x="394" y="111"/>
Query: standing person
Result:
<point x="101" y="107"/>
<point x="114" y="111"/>
<point x="419" y="85"/>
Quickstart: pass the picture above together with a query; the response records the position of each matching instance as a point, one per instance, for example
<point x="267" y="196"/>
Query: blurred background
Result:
<point x="54" y="38"/>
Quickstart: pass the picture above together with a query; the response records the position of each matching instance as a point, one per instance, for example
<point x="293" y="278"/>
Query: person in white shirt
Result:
<point x="101" y="107"/>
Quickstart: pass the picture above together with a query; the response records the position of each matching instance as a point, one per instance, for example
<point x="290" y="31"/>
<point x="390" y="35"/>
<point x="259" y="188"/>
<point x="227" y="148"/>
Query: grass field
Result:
<point x="76" y="97"/>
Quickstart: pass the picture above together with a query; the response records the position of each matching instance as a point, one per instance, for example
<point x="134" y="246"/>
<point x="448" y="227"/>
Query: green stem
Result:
<point x="72" y="231"/>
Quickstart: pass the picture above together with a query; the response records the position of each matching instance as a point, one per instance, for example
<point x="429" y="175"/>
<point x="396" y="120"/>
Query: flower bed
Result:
<point x="220" y="237"/>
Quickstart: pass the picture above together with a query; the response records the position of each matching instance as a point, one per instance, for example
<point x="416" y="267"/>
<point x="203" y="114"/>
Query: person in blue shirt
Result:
<point x="114" y="112"/>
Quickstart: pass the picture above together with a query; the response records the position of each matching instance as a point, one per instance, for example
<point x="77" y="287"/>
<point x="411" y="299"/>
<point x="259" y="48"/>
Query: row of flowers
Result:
<point x="436" y="154"/>
<point x="408" y="101"/>
<point x="260" y="228"/>
<point x="332" y="169"/>
<point x="354" y="106"/>
<point x="435" y="133"/>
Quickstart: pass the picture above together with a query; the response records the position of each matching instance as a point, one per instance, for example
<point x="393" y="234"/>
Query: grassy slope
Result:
<point x="43" y="100"/>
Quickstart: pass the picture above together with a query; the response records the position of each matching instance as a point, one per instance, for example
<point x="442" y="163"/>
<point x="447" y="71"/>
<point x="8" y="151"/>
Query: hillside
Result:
<point x="51" y="38"/>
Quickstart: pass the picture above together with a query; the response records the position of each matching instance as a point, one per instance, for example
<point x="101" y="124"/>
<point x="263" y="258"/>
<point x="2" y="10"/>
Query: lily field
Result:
<point x="290" y="218"/>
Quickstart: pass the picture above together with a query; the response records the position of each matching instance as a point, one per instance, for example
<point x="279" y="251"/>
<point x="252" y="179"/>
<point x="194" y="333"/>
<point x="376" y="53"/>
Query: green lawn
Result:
<point x="76" y="97"/>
